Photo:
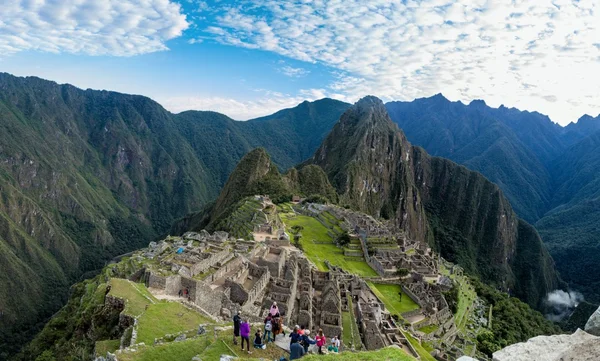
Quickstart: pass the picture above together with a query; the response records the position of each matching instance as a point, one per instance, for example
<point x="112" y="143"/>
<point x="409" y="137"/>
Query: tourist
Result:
<point x="268" y="329"/>
<point x="237" y="319"/>
<point x="335" y="344"/>
<point x="274" y="311"/>
<point x="307" y="341"/>
<point x="321" y="339"/>
<point x="296" y="351"/>
<point x="258" y="340"/>
<point x="245" y="334"/>
<point x="301" y="331"/>
<point x="295" y="336"/>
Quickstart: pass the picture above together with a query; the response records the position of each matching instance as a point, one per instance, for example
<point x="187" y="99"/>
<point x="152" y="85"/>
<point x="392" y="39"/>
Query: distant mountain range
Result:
<point x="550" y="174"/>
<point x="86" y="175"/>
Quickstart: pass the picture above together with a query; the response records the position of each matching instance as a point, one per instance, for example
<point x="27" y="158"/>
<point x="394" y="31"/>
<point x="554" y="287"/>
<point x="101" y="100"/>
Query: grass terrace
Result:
<point x="388" y="294"/>
<point x="385" y="354"/>
<point x="167" y="318"/>
<point x="318" y="253"/>
<point x="136" y="295"/>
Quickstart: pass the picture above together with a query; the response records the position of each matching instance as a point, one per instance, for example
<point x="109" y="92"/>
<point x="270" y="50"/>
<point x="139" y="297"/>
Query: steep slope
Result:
<point x="375" y="169"/>
<point x="495" y="142"/>
<point x="571" y="228"/>
<point x="86" y="175"/>
<point x="547" y="172"/>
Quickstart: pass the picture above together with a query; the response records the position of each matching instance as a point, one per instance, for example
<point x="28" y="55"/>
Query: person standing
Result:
<point x="237" y="319"/>
<point x="245" y="334"/>
<point x="307" y="341"/>
<point x="320" y="340"/>
<point x="268" y="328"/>
<point x="274" y="311"/>
<point x="294" y="336"/>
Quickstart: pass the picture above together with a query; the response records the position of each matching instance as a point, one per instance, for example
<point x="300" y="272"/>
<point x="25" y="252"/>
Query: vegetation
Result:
<point x="385" y="354"/>
<point x="167" y="318"/>
<point x="117" y="171"/>
<point x="325" y="250"/>
<point x="547" y="172"/>
<point x="514" y="321"/>
<point x="395" y="300"/>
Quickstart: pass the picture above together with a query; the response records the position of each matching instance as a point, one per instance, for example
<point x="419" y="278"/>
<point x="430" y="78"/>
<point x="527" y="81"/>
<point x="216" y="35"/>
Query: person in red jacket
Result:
<point x="245" y="333"/>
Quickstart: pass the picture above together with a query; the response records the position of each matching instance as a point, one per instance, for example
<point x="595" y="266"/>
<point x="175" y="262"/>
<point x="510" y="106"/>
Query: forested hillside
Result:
<point x="462" y="214"/>
<point x="549" y="173"/>
<point x="86" y="175"/>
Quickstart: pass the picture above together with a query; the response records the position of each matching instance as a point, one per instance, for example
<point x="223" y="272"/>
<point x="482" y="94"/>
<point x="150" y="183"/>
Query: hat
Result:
<point x="274" y="303"/>
<point x="307" y="332"/>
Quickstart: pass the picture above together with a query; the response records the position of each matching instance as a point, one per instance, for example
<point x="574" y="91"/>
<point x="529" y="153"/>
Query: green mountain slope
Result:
<point x="548" y="173"/>
<point x="86" y="175"/>
<point x="465" y="216"/>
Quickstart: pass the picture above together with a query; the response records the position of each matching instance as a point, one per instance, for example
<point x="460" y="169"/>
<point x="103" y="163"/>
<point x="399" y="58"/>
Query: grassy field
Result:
<point x="429" y="329"/>
<point x="466" y="297"/>
<point x="389" y="295"/>
<point x="351" y="336"/>
<point x="136" y="296"/>
<point x="318" y="253"/>
<point x="423" y="353"/>
<point x="167" y="318"/>
<point x="102" y="347"/>
<point x="207" y="347"/>
<point x="385" y="354"/>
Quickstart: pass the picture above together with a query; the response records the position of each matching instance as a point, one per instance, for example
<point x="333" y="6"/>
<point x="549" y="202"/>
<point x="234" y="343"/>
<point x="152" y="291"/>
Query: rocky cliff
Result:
<point x="459" y="212"/>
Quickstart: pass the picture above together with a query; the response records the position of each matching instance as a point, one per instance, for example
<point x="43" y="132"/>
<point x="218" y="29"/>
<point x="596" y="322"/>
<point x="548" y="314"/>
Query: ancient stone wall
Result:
<point x="258" y="287"/>
<point x="237" y="292"/>
<point x="209" y="300"/>
<point x="206" y="263"/>
<point x="234" y="264"/>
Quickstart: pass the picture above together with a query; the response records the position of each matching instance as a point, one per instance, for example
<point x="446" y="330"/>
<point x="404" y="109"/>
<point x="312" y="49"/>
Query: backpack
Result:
<point x="268" y="326"/>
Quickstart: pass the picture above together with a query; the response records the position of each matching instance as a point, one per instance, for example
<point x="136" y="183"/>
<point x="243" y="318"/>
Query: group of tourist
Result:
<point x="300" y="339"/>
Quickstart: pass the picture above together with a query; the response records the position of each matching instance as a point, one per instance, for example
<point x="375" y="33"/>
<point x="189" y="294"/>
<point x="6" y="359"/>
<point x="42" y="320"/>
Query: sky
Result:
<point x="251" y="58"/>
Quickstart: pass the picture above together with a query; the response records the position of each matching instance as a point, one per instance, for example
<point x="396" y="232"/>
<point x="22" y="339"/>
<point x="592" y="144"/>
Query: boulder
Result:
<point x="225" y="313"/>
<point x="227" y="358"/>
<point x="466" y="358"/>
<point x="181" y="337"/>
<point x="578" y="346"/>
<point x="593" y="324"/>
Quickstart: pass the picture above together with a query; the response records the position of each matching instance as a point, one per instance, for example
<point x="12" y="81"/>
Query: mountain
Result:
<point x="462" y="214"/>
<point x="87" y="175"/>
<point x="547" y="172"/>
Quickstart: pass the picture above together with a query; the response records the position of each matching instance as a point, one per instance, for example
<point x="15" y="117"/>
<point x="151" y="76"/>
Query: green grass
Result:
<point x="385" y="354"/>
<point x="318" y="253"/>
<point x="429" y="329"/>
<point x="351" y="334"/>
<point x="167" y="318"/>
<point x="175" y="351"/>
<point x="136" y="296"/>
<point x="388" y="294"/>
<point x="102" y="347"/>
<point x="423" y="353"/>
<point x="466" y="296"/>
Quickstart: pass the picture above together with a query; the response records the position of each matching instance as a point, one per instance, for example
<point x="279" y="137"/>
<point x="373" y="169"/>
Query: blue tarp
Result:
<point x="180" y="250"/>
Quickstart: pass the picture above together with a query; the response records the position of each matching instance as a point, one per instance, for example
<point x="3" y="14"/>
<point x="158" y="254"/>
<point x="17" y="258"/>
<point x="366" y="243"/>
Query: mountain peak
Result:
<point x="477" y="103"/>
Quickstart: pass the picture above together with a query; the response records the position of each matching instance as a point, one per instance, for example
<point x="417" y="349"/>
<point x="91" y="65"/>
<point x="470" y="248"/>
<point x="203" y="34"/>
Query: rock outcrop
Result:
<point x="593" y="324"/>
<point x="580" y="346"/>
<point x="459" y="212"/>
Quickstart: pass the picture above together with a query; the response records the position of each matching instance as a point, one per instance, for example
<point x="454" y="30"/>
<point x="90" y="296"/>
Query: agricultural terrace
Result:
<point x="319" y="246"/>
<point x="390" y="296"/>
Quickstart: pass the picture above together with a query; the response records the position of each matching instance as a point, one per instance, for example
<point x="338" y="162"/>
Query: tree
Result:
<point x="297" y="229"/>
<point x="343" y="239"/>
<point x="297" y="243"/>
<point x="401" y="272"/>
<point x="452" y="297"/>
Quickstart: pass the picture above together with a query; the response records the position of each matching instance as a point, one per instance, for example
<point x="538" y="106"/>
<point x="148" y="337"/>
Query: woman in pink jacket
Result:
<point x="245" y="334"/>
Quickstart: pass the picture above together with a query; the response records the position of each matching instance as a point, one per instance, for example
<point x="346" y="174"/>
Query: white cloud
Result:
<point x="293" y="72"/>
<point x="537" y="55"/>
<point x="93" y="27"/>
<point x="266" y="103"/>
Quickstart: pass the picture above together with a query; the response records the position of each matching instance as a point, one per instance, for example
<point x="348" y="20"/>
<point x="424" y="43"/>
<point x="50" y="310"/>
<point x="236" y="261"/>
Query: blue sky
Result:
<point x="251" y="58"/>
